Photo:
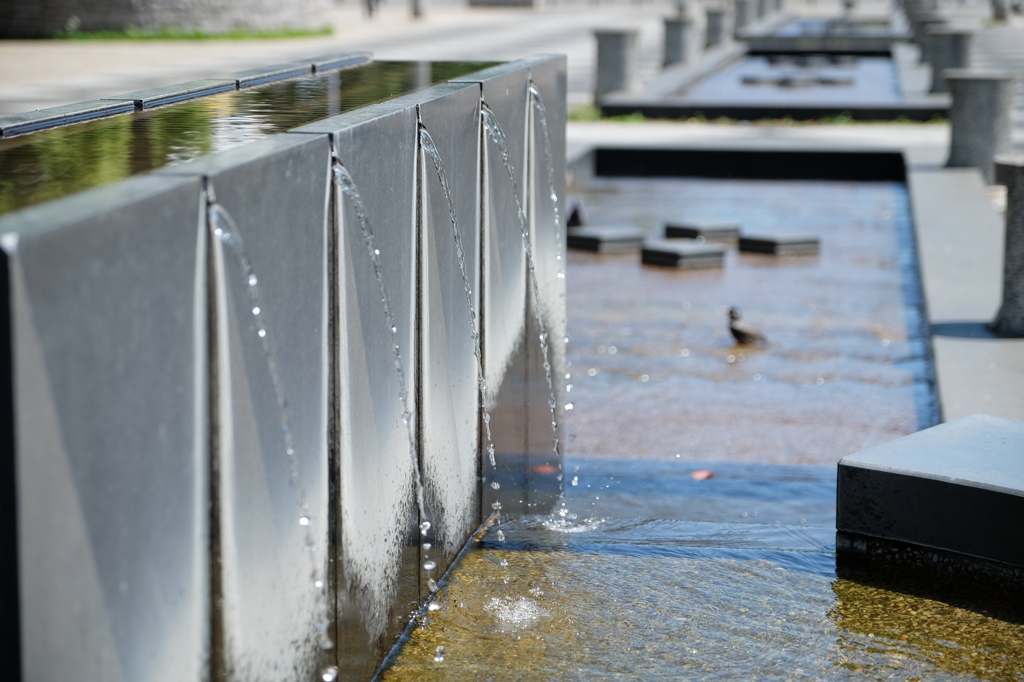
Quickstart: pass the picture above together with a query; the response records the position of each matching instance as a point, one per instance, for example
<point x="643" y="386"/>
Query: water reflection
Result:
<point x="55" y="163"/>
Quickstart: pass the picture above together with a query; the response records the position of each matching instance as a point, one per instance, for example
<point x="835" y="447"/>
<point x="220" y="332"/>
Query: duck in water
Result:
<point x="744" y="335"/>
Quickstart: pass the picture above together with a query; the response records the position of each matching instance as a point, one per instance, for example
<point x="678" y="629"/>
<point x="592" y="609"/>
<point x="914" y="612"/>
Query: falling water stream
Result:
<point x="344" y="182"/>
<point x="223" y="228"/>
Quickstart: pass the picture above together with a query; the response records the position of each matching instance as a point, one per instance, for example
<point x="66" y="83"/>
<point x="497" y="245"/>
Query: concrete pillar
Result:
<point x="743" y="15"/>
<point x="618" y="60"/>
<point x="950" y="48"/>
<point x="979" y="117"/>
<point x="1000" y="10"/>
<point x="780" y="5"/>
<point x="762" y="9"/>
<point x="677" y="41"/>
<point x="715" y="29"/>
<point x="1010" y="319"/>
<point x="921" y="25"/>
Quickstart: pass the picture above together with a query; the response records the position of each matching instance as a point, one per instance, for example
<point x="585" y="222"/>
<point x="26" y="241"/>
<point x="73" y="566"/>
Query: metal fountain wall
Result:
<point x="185" y="498"/>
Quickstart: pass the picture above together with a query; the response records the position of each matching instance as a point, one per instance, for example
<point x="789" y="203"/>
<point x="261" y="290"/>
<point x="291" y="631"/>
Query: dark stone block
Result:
<point x="956" y="487"/>
<point x="709" y="231"/>
<point x="169" y="94"/>
<point x="269" y="74"/>
<point x="610" y="239"/>
<point x="340" y="60"/>
<point x="51" y="117"/>
<point x="682" y="254"/>
<point x="780" y="245"/>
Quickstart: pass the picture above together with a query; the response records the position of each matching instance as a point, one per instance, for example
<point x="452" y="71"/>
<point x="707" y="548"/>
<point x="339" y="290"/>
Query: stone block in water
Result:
<point x="270" y="348"/>
<point x="606" y="239"/>
<point x="508" y="345"/>
<point x="780" y="245"/>
<point x="680" y="253"/>
<point x="709" y="231"/>
<point x="378" y="560"/>
<point x="949" y="495"/>
<point x="104" y="476"/>
<point x="169" y="94"/>
<point x="51" y="117"/>
<point x="449" y="396"/>
<point x="547" y="209"/>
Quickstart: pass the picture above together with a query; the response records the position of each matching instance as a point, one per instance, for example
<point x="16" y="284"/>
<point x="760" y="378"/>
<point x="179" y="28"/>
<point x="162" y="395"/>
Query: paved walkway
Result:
<point x="46" y="73"/>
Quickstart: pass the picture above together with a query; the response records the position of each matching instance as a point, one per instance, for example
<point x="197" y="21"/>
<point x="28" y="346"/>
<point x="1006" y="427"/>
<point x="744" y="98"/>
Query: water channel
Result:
<point x="655" y="573"/>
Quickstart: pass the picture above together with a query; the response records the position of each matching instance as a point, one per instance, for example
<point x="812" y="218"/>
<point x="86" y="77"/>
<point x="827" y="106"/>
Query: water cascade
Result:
<point x="226" y="234"/>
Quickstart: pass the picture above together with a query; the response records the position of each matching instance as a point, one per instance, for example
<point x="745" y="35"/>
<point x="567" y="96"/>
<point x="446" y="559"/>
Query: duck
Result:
<point x="744" y="336"/>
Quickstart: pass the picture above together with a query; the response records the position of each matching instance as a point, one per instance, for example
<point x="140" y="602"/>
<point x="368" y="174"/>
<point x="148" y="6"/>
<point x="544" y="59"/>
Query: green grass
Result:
<point x="590" y="112"/>
<point x="169" y="33"/>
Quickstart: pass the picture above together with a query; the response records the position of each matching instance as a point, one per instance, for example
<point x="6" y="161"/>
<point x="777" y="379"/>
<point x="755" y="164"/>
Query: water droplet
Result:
<point x="757" y="376"/>
<point x="424" y="527"/>
<point x="376" y="252"/>
<point x="685" y="352"/>
<point x="431" y="584"/>
<point x="429" y="565"/>
<point x="256" y="310"/>
<point x="568" y="388"/>
<point x="503" y="563"/>
<point x="426" y="545"/>
<point x="612" y="350"/>
<point x="592" y="372"/>
<point x="305" y="521"/>
<point x="730" y="358"/>
<point x="743" y="514"/>
<point x="645" y="378"/>
<point x="262" y="333"/>
<point x="501" y="536"/>
<point x="329" y="674"/>
<point x="495" y="485"/>
<point x="439" y="654"/>
<point x="575" y="480"/>
<point x="568" y="406"/>
<point x="821" y="380"/>
<point x="496" y="505"/>
<point x="433" y="606"/>
<point x="487" y="418"/>
<point x="318" y="584"/>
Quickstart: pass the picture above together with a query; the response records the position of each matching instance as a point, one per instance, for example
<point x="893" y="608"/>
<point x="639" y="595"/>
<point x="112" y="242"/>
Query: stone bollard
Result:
<point x="979" y="117"/>
<point x="1010" y="319"/>
<point x="677" y="41"/>
<point x="762" y="9"/>
<point x="618" y="60"/>
<point x="715" y="29"/>
<point x="949" y="48"/>
<point x="743" y="15"/>
<point x="921" y="25"/>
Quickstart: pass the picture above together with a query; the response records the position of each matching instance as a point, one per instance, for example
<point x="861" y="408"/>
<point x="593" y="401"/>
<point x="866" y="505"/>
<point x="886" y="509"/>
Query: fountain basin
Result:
<point x="200" y="364"/>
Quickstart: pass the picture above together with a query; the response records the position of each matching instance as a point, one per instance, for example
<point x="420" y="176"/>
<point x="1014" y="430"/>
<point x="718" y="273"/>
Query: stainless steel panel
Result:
<point x="505" y="91"/>
<point x="272" y="506"/>
<point x="546" y="212"/>
<point x="378" y="545"/>
<point x="449" y="396"/>
<point x="107" y="294"/>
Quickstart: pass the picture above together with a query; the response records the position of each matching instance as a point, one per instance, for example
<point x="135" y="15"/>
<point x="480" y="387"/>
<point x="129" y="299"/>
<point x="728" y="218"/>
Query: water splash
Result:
<point x="223" y="228"/>
<point x="497" y="136"/>
<point x="344" y="182"/>
<point x="515" y="611"/>
<point x="428" y="146"/>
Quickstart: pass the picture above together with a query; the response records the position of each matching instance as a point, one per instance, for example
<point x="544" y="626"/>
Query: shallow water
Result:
<point x="679" y="599"/>
<point x="758" y="80"/>
<point x="54" y="163"/>
<point x="847" y="366"/>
